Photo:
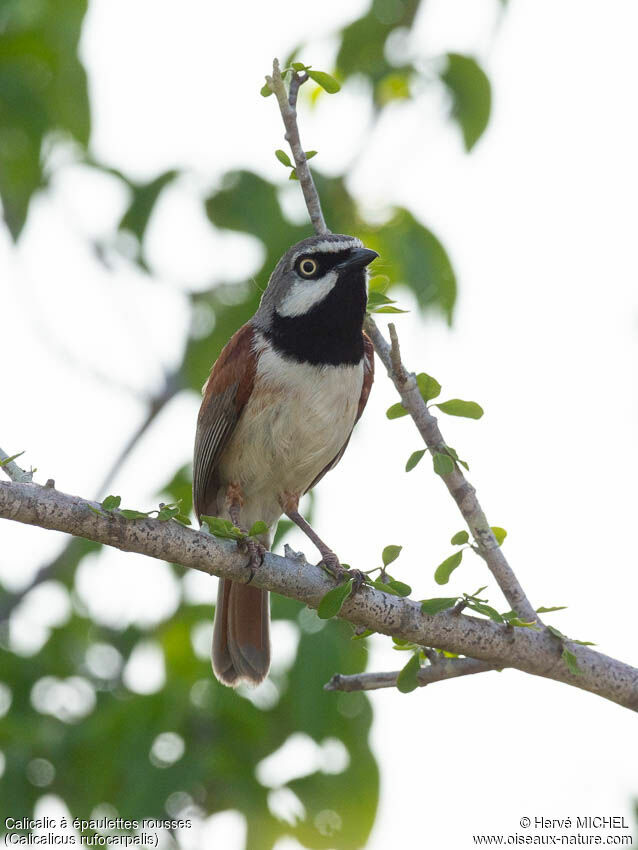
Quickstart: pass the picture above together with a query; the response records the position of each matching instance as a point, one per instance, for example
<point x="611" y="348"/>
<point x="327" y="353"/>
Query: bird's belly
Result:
<point x="296" y="421"/>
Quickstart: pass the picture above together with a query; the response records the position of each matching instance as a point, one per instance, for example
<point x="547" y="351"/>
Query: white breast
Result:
<point x="296" y="421"/>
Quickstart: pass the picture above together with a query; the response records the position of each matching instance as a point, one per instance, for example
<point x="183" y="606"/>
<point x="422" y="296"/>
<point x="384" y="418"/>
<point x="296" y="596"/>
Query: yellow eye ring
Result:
<point x="308" y="267"/>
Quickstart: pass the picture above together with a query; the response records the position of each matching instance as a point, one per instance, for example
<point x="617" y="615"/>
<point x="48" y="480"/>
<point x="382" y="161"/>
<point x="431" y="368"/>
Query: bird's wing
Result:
<point x="226" y="392"/>
<point x="368" y="378"/>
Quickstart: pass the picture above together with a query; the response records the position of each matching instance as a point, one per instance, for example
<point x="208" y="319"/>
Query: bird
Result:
<point x="277" y="413"/>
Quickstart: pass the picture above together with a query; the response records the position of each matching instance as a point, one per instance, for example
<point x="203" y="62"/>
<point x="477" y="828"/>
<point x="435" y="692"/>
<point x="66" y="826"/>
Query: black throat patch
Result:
<point x="330" y="333"/>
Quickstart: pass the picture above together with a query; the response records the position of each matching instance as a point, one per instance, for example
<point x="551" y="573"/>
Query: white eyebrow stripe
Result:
<point x="330" y="247"/>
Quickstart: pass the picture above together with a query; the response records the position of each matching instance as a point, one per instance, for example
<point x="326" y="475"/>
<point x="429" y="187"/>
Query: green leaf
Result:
<point x="571" y="661"/>
<point x="298" y="66"/>
<point x="258" y="527"/>
<point x="223" y="528"/>
<point x="363" y="635"/>
<point x="396" y="411"/>
<point x="182" y="519"/>
<point x="482" y="608"/>
<point x="310" y="154"/>
<point x="499" y="533"/>
<point x="331" y="603"/>
<point x="145" y="196"/>
<point x="443" y="464"/>
<point x="397" y="641"/>
<point x="293" y="174"/>
<point x="390" y="553"/>
<point x="454" y="454"/>
<point x="407" y="678"/>
<point x="428" y="386"/>
<point x="9" y="459"/>
<point x="326" y="82"/>
<point x="471" y="95"/>
<point x="557" y="633"/>
<point x="377" y="299"/>
<point x="446" y="568"/>
<point x="132" y="514"/>
<point x="111" y="503"/>
<point x="265" y="90"/>
<point x="513" y="620"/>
<point x="438" y="604"/>
<point x="95" y="510"/>
<point x="378" y="283"/>
<point x="388" y="309"/>
<point x="414" y="458"/>
<point x="544" y="610"/>
<point x="458" y="407"/>
<point x="283" y="157"/>
<point x="459" y="538"/>
<point x="400" y="588"/>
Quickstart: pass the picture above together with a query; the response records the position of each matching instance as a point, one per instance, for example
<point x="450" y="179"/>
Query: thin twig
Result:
<point x="287" y="107"/>
<point x="446" y="668"/>
<point x="11" y="468"/>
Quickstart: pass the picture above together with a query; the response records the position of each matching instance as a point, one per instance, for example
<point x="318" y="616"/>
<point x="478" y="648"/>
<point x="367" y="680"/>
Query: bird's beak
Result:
<point x="359" y="257"/>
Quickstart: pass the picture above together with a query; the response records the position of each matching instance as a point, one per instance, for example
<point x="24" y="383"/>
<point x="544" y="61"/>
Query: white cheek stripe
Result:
<point x="305" y="294"/>
<point x="331" y="247"/>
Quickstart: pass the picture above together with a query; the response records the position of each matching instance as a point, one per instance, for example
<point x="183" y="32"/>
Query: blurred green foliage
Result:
<point x="82" y="719"/>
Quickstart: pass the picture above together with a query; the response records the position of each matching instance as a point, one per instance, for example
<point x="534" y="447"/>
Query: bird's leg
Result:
<point x="290" y="504"/>
<point x="255" y="549"/>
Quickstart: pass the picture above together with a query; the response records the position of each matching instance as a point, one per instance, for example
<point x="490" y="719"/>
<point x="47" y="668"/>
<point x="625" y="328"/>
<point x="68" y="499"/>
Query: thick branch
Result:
<point x="531" y="651"/>
<point x="287" y="106"/>
<point x="446" y="668"/>
<point x="460" y="488"/>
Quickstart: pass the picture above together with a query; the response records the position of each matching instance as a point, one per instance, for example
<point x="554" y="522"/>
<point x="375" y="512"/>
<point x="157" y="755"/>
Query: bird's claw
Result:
<point x="331" y="563"/>
<point x="256" y="550"/>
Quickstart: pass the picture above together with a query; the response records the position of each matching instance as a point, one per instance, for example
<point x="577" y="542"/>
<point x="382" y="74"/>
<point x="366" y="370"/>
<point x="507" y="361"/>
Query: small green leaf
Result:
<point x="396" y="411"/>
<point x="326" y="82"/>
<point x="265" y="90"/>
<point x="310" y="154"/>
<point x="490" y="612"/>
<point x="363" y="635"/>
<point x="9" y="459"/>
<point x="131" y="514"/>
<point x="298" y="66"/>
<point x="378" y="283"/>
<point x="544" y="610"/>
<point x="397" y="641"/>
<point x="454" y="454"/>
<point x="407" y="678"/>
<point x="443" y="464"/>
<point x="95" y="510"/>
<point x="446" y="568"/>
<point x="511" y="618"/>
<point x="571" y="661"/>
<point x="258" y="527"/>
<point x="458" y="407"/>
<point x="293" y="174"/>
<point x="111" y="503"/>
<point x="583" y="642"/>
<point x="428" y="386"/>
<point x="438" y="604"/>
<point x="182" y="519"/>
<point x="385" y="586"/>
<point x="223" y="528"/>
<point x="390" y="553"/>
<point x="389" y="309"/>
<point x="499" y="533"/>
<point x="400" y="588"/>
<point x="283" y="157"/>
<point x="331" y="603"/>
<point x="377" y="299"/>
<point x="459" y="538"/>
<point x="414" y="458"/>
<point x="471" y="95"/>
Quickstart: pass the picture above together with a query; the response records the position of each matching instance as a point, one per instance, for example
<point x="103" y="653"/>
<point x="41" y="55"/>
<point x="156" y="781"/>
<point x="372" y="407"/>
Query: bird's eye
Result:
<point x="308" y="267"/>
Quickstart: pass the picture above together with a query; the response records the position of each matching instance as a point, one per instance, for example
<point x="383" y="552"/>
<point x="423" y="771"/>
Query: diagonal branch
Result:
<point x="532" y="651"/>
<point x="288" y="108"/>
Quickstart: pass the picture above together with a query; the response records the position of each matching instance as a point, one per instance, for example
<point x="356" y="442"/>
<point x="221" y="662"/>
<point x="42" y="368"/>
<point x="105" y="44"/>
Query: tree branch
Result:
<point x="287" y="106"/>
<point x="445" y="668"/>
<point x="535" y="652"/>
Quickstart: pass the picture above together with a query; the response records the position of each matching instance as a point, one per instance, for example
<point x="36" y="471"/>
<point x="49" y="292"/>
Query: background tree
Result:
<point x="244" y="203"/>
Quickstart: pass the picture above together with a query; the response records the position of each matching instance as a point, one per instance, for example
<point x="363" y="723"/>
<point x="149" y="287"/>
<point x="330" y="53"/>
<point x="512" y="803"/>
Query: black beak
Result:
<point x="359" y="257"/>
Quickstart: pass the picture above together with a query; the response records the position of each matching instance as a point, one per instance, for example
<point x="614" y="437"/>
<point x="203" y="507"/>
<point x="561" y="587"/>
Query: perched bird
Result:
<point x="277" y="413"/>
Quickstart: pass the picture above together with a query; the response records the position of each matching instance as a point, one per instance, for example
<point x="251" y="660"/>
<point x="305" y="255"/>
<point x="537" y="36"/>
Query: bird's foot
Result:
<point x="332" y="564"/>
<point x="256" y="551"/>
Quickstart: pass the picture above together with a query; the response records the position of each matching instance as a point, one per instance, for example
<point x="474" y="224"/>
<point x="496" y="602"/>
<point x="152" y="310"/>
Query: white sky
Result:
<point x="540" y="223"/>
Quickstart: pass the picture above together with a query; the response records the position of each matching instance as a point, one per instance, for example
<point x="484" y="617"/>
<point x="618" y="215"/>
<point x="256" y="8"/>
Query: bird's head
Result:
<point x="323" y="276"/>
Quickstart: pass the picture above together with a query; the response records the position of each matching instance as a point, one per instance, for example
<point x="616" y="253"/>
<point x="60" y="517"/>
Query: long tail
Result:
<point x="241" y="636"/>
